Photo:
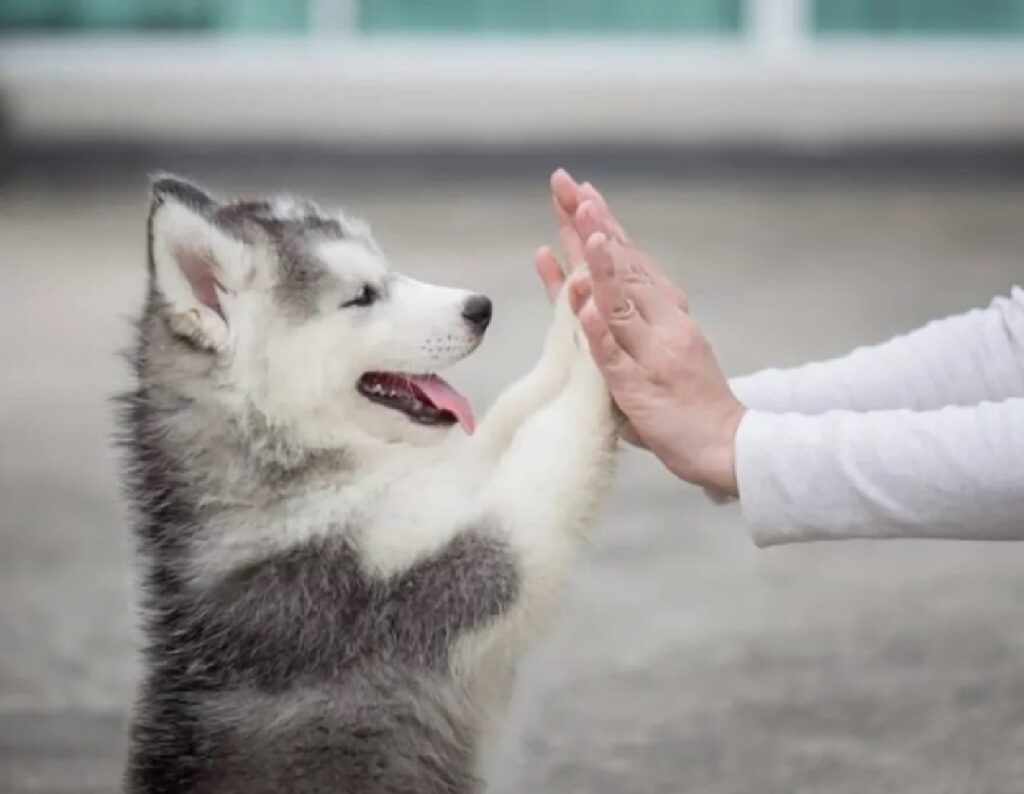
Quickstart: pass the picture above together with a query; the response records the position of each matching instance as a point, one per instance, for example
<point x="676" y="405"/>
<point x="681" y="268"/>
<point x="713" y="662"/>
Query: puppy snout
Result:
<point x="477" y="312"/>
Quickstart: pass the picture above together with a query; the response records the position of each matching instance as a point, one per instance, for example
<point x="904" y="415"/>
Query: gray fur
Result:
<point x="298" y="670"/>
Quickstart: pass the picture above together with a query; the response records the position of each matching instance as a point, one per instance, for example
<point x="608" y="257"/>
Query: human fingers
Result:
<point x="617" y="309"/>
<point x="618" y="368"/>
<point x="550" y="271"/>
<point x="592" y="217"/>
<point x="564" y="200"/>
<point x="588" y="192"/>
<point x="638" y="271"/>
<point x="565" y="191"/>
<point x="580" y="289"/>
<point x="657" y="299"/>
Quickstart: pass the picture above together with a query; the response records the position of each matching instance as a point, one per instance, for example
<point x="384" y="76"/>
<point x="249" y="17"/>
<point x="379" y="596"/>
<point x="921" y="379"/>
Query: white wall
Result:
<point x="773" y="86"/>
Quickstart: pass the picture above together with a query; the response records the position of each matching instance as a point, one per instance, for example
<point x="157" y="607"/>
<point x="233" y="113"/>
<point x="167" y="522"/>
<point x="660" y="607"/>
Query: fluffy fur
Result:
<point x="334" y="595"/>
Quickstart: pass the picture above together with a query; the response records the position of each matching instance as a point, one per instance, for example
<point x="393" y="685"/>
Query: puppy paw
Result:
<point x="564" y="334"/>
<point x="588" y="384"/>
<point x="573" y="300"/>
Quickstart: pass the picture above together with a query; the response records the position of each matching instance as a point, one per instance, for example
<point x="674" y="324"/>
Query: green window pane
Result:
<point x="919" y="17"/>
<point x="269" y="16"/>
<point x="585" y="17"/>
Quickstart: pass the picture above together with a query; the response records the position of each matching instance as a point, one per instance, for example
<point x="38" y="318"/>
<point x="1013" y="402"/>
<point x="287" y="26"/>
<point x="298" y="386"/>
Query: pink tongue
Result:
<point x="446" y="398"/>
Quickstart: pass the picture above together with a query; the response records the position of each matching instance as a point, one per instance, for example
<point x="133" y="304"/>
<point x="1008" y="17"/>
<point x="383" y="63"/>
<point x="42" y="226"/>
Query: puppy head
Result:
<point x="298" y="317"/>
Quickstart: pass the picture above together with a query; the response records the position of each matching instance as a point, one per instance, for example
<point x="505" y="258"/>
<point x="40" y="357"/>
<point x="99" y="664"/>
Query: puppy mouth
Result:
<point x="425" y="399"/>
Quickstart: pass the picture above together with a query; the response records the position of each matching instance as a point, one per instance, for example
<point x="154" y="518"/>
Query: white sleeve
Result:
<point x="957" y="472"/>
<point x="962" y="360"/>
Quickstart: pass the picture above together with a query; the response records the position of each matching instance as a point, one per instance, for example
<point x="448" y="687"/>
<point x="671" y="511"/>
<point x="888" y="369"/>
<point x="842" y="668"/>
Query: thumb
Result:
<point x="580" y="289"/>
<point x="549" y="270"/>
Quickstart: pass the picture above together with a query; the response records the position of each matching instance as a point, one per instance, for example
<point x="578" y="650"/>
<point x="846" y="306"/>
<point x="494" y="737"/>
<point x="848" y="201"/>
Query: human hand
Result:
<point x="566" y="198"/>
<point x="659" y="368"/>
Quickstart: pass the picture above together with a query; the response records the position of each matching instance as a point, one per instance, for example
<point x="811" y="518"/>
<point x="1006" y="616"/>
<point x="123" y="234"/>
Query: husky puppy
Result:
<point x="337" y="579"/>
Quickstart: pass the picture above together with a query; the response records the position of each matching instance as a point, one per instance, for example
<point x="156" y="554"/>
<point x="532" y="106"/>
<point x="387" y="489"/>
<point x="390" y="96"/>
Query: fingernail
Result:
<point x="580" y="285"/>
<point x="575" y="300"/>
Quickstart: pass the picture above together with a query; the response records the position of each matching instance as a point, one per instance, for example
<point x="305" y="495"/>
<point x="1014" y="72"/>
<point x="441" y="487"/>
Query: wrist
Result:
<point x="720" y="473"/>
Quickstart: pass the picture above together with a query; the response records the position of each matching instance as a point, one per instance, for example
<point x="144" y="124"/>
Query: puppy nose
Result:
<point x="477" y="312"/>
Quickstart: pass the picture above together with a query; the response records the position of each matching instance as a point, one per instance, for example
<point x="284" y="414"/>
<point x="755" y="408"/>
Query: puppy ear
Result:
<point x="194" y="264"/>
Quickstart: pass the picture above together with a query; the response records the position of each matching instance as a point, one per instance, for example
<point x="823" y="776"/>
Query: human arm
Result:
<point x="951" y="472"/>
<point x="954" y="472"/>
<point x="961" y="360"/>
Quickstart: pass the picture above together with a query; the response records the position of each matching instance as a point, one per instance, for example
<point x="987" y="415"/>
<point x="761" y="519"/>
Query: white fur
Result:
<point x="534" y="470"/>
<point x="178" y="231"/>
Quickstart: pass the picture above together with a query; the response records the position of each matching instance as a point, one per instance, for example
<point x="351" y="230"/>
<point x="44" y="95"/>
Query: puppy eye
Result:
<point x="366" y="297"/>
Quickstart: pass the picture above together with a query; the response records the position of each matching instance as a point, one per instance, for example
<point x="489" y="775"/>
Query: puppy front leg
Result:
<point x="538" y="387"/>
<point x="541" y="498"/>
<point x="548" y="484"/>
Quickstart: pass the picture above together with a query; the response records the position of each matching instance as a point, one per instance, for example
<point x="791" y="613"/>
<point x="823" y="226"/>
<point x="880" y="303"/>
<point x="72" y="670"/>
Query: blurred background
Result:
<point x="817" y="173"/>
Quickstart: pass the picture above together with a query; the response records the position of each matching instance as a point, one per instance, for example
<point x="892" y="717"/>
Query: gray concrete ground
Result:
<point x="684" y="659"/>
